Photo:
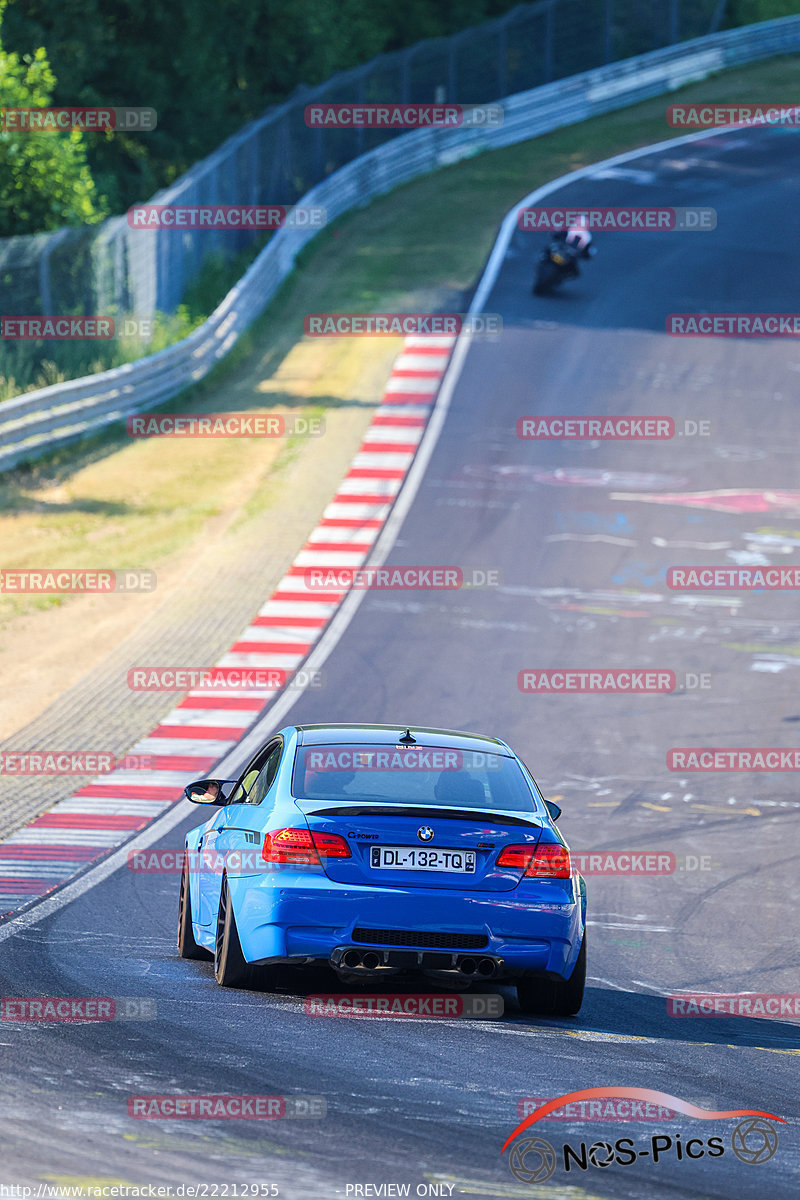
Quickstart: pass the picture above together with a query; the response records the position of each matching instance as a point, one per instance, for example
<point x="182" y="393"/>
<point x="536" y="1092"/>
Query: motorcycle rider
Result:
<point x="578" y="242"/>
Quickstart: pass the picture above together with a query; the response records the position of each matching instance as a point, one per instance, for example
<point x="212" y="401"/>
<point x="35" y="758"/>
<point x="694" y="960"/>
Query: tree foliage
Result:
<point x="747" y="12"/>
<point x="209" y="66"/>
<point x="45" y="180"/>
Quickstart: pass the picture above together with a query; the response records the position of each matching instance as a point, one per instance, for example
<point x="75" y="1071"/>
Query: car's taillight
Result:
<point x="550" y="861"/>
<point x="330" y="845"/>
<point x="289" y="846"/>
<point x="301" y="846"/>
<point x="515" y="856"/>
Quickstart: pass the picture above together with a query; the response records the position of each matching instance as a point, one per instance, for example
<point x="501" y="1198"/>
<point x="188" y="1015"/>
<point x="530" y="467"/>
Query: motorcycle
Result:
<point x="556" y="263"/>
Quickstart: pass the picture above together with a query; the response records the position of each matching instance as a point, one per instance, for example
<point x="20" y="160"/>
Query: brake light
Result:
<point x="289" y="846"/>
<point x="516" y="856"/>
<point x="301" y="846"/>
<point x="550" y="861"/>
<point x="330" y="845"/>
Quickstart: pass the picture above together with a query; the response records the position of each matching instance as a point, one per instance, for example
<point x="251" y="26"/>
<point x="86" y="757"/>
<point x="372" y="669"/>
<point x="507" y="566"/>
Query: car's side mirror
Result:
<point x="210" y="791"/>
<point x="553" y="809"/>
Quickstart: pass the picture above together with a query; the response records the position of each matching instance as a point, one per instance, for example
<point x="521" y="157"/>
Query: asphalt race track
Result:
<point x="582" y="535"/>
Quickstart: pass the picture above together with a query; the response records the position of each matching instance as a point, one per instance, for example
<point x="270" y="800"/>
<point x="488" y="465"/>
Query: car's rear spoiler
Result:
<point x="358" y="808"/>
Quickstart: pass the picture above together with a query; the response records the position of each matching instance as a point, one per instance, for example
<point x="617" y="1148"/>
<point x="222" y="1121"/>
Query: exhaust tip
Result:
<point x="468" y="966"/>
<point x="486" y="968"/>
<point x="351" y="958"/>
<point x="370" y="960"/>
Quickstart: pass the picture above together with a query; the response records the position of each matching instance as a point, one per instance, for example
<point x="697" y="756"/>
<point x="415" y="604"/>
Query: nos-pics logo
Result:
<point x="753" y="1141"/>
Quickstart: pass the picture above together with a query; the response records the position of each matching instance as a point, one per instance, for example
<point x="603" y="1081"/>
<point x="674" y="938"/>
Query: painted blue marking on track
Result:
<point x="640" y="573"/>
<point x="571" y="519"/>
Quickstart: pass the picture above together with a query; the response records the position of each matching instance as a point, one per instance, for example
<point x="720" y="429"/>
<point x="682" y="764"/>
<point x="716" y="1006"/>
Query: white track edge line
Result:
<point x="339" y="622"/>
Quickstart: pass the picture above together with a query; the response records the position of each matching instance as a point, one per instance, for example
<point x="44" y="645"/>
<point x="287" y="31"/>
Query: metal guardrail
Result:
<point x="111" y="268"/>
<point x="41" y="421"/>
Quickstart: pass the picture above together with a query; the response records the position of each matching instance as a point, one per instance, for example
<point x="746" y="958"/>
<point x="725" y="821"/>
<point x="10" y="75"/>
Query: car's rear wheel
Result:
<point x="555" y="998"/>
<point x="187" y="946"/>
<point x="231" y="969"/>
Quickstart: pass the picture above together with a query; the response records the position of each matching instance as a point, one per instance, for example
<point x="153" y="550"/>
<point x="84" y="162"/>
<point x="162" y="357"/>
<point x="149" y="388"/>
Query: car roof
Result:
<point x="388" y="735"/>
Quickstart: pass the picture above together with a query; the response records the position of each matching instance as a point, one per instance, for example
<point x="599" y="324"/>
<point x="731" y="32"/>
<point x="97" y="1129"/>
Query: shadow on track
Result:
<point x="637" y="1014"/>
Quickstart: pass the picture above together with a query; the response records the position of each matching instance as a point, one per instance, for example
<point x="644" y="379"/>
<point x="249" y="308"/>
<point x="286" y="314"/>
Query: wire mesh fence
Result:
<point x="113" y="268"/>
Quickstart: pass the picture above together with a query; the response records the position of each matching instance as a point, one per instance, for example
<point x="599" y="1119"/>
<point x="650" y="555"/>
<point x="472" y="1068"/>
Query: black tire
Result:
<point x="187" y="946"/>
<point x="547" y="277"/>
<point x="231" y="969"/>
<point x="555" y="998"/>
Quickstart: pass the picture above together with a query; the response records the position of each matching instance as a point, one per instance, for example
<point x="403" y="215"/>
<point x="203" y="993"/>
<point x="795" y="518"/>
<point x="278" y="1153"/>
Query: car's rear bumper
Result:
<point x="284" y="915"/>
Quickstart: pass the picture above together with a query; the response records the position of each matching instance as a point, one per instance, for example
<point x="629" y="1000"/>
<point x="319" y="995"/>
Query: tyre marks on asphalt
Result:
<point x="204" y="726"/>
<point x="725" y="500"/>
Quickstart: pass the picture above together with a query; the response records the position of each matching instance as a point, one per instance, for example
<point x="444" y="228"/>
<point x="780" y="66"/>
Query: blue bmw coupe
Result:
<point x="382" y="850"/>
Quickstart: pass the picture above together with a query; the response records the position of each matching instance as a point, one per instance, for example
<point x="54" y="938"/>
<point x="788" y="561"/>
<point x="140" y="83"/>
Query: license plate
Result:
<point x="413" y="858"/>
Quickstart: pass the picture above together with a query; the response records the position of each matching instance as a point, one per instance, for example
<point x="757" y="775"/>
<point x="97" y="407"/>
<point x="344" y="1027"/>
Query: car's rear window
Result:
<point x="437" y="775"/>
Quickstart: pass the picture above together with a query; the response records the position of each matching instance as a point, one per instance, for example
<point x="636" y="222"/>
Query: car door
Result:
<point x="231" y="829"/>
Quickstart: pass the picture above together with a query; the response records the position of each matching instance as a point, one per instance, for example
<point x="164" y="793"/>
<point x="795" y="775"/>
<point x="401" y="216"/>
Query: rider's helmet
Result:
<point x="579" y="238"/>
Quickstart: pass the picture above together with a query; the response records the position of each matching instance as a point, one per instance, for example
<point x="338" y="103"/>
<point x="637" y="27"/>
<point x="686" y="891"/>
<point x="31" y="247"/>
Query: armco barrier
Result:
<point x="275" y="158"/>
<point x="43" y="420"/>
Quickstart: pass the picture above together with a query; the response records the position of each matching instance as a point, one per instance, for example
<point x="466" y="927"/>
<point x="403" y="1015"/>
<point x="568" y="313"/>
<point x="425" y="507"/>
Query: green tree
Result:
<point x="208" y="66"/>
<point x="748" y="12"/>
<point x="45" y="181"/>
